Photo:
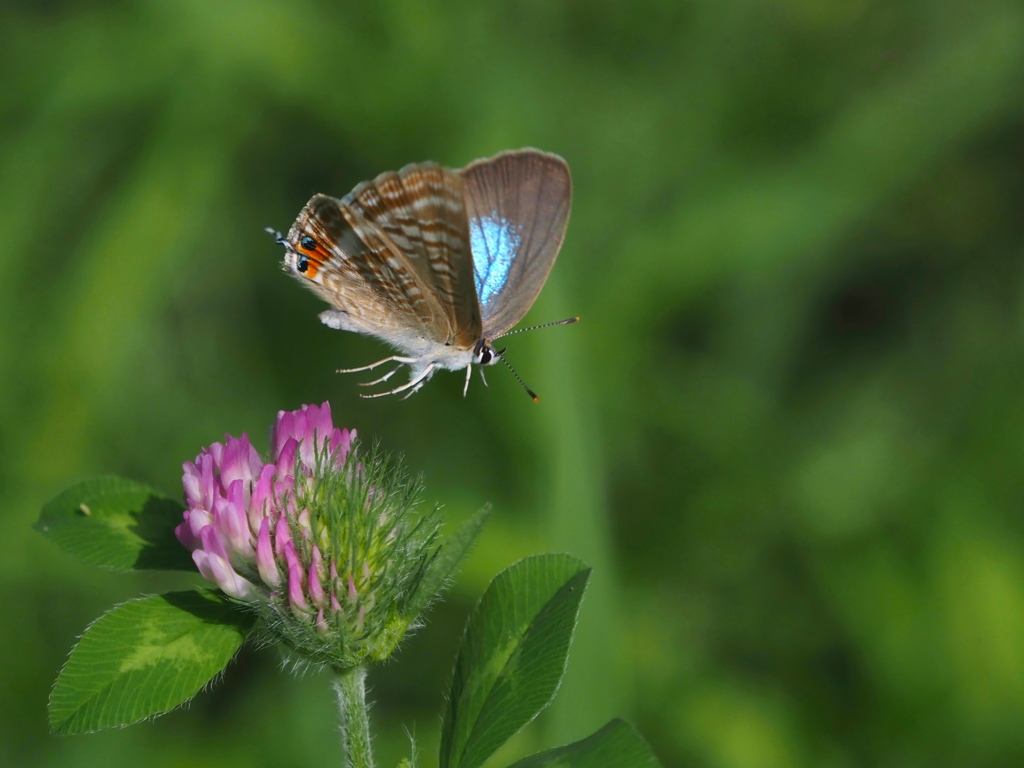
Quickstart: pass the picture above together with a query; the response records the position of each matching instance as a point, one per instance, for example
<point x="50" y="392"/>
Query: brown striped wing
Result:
<point x="420" y="211"/>
<point x="357" y="269"/>
<point x="517" y="204"/>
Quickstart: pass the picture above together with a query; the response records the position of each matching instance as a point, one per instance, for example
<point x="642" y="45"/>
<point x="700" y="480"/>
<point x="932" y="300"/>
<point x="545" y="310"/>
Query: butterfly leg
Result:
<point x="482" y="377"/>
<point x="414" y="384"/>
<point x="383" y="378"/>
<point x="371" y="366"/>
<point x="465" y="387"/>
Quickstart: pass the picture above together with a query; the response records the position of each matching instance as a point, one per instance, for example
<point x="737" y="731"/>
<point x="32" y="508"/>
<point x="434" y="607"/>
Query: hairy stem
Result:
<point x="350" y="689"/>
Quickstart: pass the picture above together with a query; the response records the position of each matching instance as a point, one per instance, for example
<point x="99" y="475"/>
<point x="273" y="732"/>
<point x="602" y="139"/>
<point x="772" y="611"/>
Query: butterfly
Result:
<point x="438" y="263"/>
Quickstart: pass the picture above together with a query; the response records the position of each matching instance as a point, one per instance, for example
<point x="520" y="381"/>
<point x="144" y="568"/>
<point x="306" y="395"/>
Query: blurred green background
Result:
<point x="788" y="433"/>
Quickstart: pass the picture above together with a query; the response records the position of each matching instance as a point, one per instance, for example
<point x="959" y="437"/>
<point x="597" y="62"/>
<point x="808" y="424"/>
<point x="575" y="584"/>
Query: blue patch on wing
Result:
<point x="494" y="242"/>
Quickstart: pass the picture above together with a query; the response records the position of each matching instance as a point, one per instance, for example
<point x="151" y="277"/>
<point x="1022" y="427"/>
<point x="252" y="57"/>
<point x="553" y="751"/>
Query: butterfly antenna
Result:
<point x="281" y="240"/>
<point x="567" y="321"/>
<point x="522" y="383"/>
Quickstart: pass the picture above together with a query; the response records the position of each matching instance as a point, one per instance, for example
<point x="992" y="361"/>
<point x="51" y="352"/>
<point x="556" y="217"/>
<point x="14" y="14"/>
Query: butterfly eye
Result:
<point x="308" y="243"/>
<point x="302" y="264"/>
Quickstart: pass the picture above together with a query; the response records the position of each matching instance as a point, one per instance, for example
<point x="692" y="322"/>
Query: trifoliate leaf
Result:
<point x="145" y="657"/>
<point x="116" y="523"/>
<point x="512" y="657"/>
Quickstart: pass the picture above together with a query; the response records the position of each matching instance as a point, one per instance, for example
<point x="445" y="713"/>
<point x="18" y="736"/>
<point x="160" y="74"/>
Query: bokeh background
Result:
<point x="788" y="433"/>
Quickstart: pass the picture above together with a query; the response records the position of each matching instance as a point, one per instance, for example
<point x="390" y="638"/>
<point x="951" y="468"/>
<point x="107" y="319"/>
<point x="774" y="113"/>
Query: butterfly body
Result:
<point x="436" y="262"/>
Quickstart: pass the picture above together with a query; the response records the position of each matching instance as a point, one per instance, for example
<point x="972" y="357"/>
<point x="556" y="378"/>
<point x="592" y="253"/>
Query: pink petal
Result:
<point x="212" y="562"/>
<point x="285" y="457"/>
<point x="291" y="557"/>
<point x="341" y="442"/>
<point x="320" y="424"/>
<point x="284" y="428"/>
<point x="199" y="482"/>
<point x="295" y="596"/>
<point x="307" y="453"/>
<point x="240" y="461"/>
<point x="192" y="481"/>
<point x="265" y="561"/>
<point x="212" y="542"/>
<point x="232" y="525"/>
<point x="282" y="537"/>
<point x="216" y="452"/>
<point x="262" y="498"/>
<point x="196" y="520"/>
<point x="316" y="589"/>
<point x="183" y="531"/>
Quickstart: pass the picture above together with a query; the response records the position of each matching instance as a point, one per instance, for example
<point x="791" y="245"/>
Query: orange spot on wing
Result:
<point x="315" y="259"/>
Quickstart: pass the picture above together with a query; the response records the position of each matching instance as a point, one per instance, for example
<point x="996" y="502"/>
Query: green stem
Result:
<point x="350" y="688"/>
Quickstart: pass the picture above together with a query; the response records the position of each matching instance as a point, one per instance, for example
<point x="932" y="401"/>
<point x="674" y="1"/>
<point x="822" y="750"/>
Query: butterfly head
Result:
<point x="485" y="354"/>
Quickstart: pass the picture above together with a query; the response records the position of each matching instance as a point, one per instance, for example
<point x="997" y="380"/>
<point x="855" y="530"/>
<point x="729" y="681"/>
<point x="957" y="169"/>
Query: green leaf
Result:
<point x="444" y="563"/>
<point x="512" y="657"/>
<point x="116" y="523"/>
<point x="616" y="744"/>
<point x="145" y="657"/>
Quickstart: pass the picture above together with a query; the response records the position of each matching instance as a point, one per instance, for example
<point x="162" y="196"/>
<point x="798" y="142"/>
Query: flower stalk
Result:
<point x="350" y="690"/>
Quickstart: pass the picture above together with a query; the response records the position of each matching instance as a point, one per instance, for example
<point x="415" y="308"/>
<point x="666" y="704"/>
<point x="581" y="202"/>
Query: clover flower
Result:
<point x="325" y="545"/>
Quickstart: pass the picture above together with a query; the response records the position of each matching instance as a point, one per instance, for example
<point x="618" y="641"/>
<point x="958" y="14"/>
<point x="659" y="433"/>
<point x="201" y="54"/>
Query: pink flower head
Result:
<point x="242" y="511"/>
<point x="329" y="551"/>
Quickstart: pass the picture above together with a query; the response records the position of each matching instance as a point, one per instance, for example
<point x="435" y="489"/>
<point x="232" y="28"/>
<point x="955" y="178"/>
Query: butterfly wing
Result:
<point x="420" y="210"/>
<point x="347" y="260"/>
<point x="518" y="207"/>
